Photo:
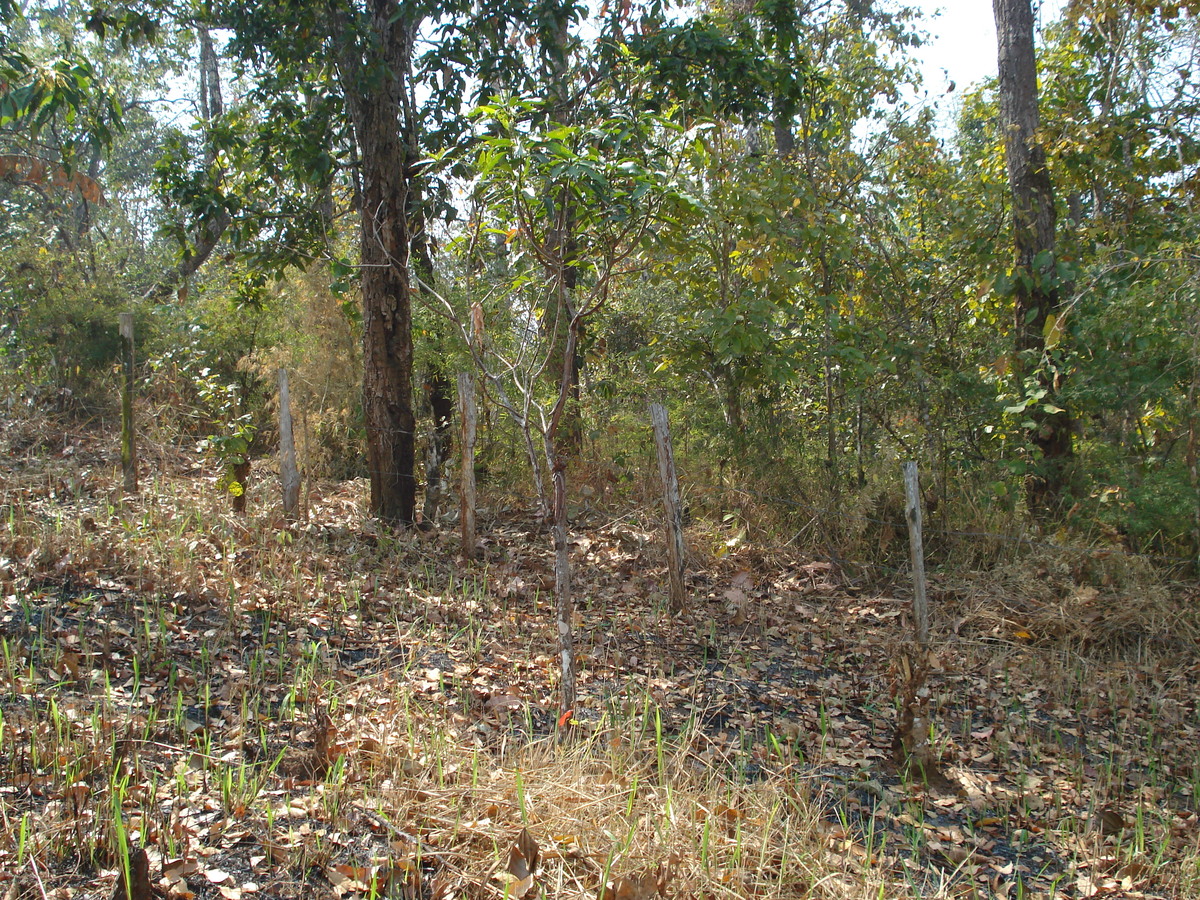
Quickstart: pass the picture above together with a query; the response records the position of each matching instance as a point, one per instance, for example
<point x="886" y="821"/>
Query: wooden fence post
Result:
<point x="466" y="494"/>
<point x="128" y="445"/>
<point x="912" y="496"/>
<point x="674" y="510"/>
<point x="289" y="476"/>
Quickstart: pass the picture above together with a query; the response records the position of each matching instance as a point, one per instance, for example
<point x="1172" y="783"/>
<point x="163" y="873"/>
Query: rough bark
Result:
<point x="128" y="441"/>
<point x="374" y="92"/>
<point x="441" y="405"/>
<point x="1036" y="297"/>
<point x="1193" y="441"/>
<point x="912" y="506"/>
<point x="565" y="599"/>
<point x="466" y="495"/>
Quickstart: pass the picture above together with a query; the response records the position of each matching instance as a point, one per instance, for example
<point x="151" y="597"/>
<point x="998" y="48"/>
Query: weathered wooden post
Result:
<point x="289" y="475"/>
<point x="912" y="497"/>
<point x="128" y="446"/>
<point x="911" y="746"/>
<point x="466" y="494"/>
<point x="670" y="482"/>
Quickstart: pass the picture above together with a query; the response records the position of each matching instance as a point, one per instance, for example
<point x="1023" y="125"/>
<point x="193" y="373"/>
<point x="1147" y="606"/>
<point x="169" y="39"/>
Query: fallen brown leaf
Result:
<point x="523" y="859"/>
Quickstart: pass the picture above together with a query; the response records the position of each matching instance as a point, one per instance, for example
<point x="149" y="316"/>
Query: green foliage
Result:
<point x="58" y="332"/>
<point x="232" y="450"/>
<point x="748" y="218"/>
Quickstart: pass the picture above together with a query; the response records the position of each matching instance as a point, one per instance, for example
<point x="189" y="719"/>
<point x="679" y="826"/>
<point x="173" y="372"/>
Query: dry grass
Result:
<point x="333" y="710"/>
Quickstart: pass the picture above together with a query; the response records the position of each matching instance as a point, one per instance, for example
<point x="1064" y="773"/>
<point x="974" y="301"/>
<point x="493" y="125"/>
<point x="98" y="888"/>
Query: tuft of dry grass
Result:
<point x="1095" y="602"/>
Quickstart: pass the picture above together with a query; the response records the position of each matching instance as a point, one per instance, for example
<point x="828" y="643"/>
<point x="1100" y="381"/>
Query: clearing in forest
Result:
<point x="205" y="705"/>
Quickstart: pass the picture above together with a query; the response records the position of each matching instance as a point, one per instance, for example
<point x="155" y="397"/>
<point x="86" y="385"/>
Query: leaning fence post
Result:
<point x="670" y="482"/>
<point x="466" y="494"/>
<point x="912" y="497"/>
<point x="128" y="447"/>
<point x="289" y="475"/>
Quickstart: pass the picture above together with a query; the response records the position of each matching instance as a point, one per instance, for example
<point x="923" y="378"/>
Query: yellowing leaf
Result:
<point x="34" y="170"/>
<point x="1052" y="331"/>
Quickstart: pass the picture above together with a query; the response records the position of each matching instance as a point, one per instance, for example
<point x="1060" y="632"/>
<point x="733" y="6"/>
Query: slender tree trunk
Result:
<point x="564" y="599"/>
<point x="563" y="318"/>
<point x="128" y="440"/>
<point x="375" y="95"/>
<point x="1193" y="443"/>
<point x="734" y="419"/>
<point x="441" y="405"/>
<point x="436" y="384"/>
<point x="1036" y="298"/>
<point x="671" y="505"/>
<point x="289" y="475"/>
<point x="466" y="494"/>
<point x="831" y="420"/>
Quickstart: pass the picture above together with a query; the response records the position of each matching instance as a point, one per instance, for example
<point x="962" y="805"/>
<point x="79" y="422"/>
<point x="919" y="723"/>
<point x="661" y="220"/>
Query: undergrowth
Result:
<point x="330" y="708"/>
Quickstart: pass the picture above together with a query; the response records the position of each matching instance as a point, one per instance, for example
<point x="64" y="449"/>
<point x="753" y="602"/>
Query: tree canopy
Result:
<point x="754" y="208"/>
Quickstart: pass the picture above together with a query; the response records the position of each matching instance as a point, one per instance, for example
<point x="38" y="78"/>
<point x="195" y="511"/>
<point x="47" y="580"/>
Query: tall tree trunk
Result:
<point x="1036" y="296"/>
<point x="563" y="240"/>
<point x="441" y="404"/>
<point x="375" y="94"/>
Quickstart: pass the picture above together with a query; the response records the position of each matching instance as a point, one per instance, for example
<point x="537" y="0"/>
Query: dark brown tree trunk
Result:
<point x="1036" y="296"/>
<point x="374" y="88"/>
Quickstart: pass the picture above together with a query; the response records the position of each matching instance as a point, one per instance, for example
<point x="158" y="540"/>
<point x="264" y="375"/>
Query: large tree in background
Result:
<point x="1037" y="304"/>
<point x="331" y="85"/>
<point x="373" y="62"/>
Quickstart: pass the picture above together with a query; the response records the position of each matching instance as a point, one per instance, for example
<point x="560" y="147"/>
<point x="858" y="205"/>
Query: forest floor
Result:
<point x="331" y="709"/>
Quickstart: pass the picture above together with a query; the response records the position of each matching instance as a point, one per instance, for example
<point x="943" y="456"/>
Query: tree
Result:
<point x="77" y="127"/>
<point x="361" y="57"/>
<point x="373" y="63"/>
<point x="196" y="245"/>
<point x="612" y="179"/>
<point x="1037" y="277"/>
<point x="334" y="76"/>
<point x="773" y="274"/>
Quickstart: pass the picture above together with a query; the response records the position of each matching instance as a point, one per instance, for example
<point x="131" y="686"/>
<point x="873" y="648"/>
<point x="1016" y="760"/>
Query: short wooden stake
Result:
<point x="674" y="510"/>
<point x="466" y="494"/>
<point x="912" y="496"/>
<point x="289" y="475"/>
<point x="128" y="445"/>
